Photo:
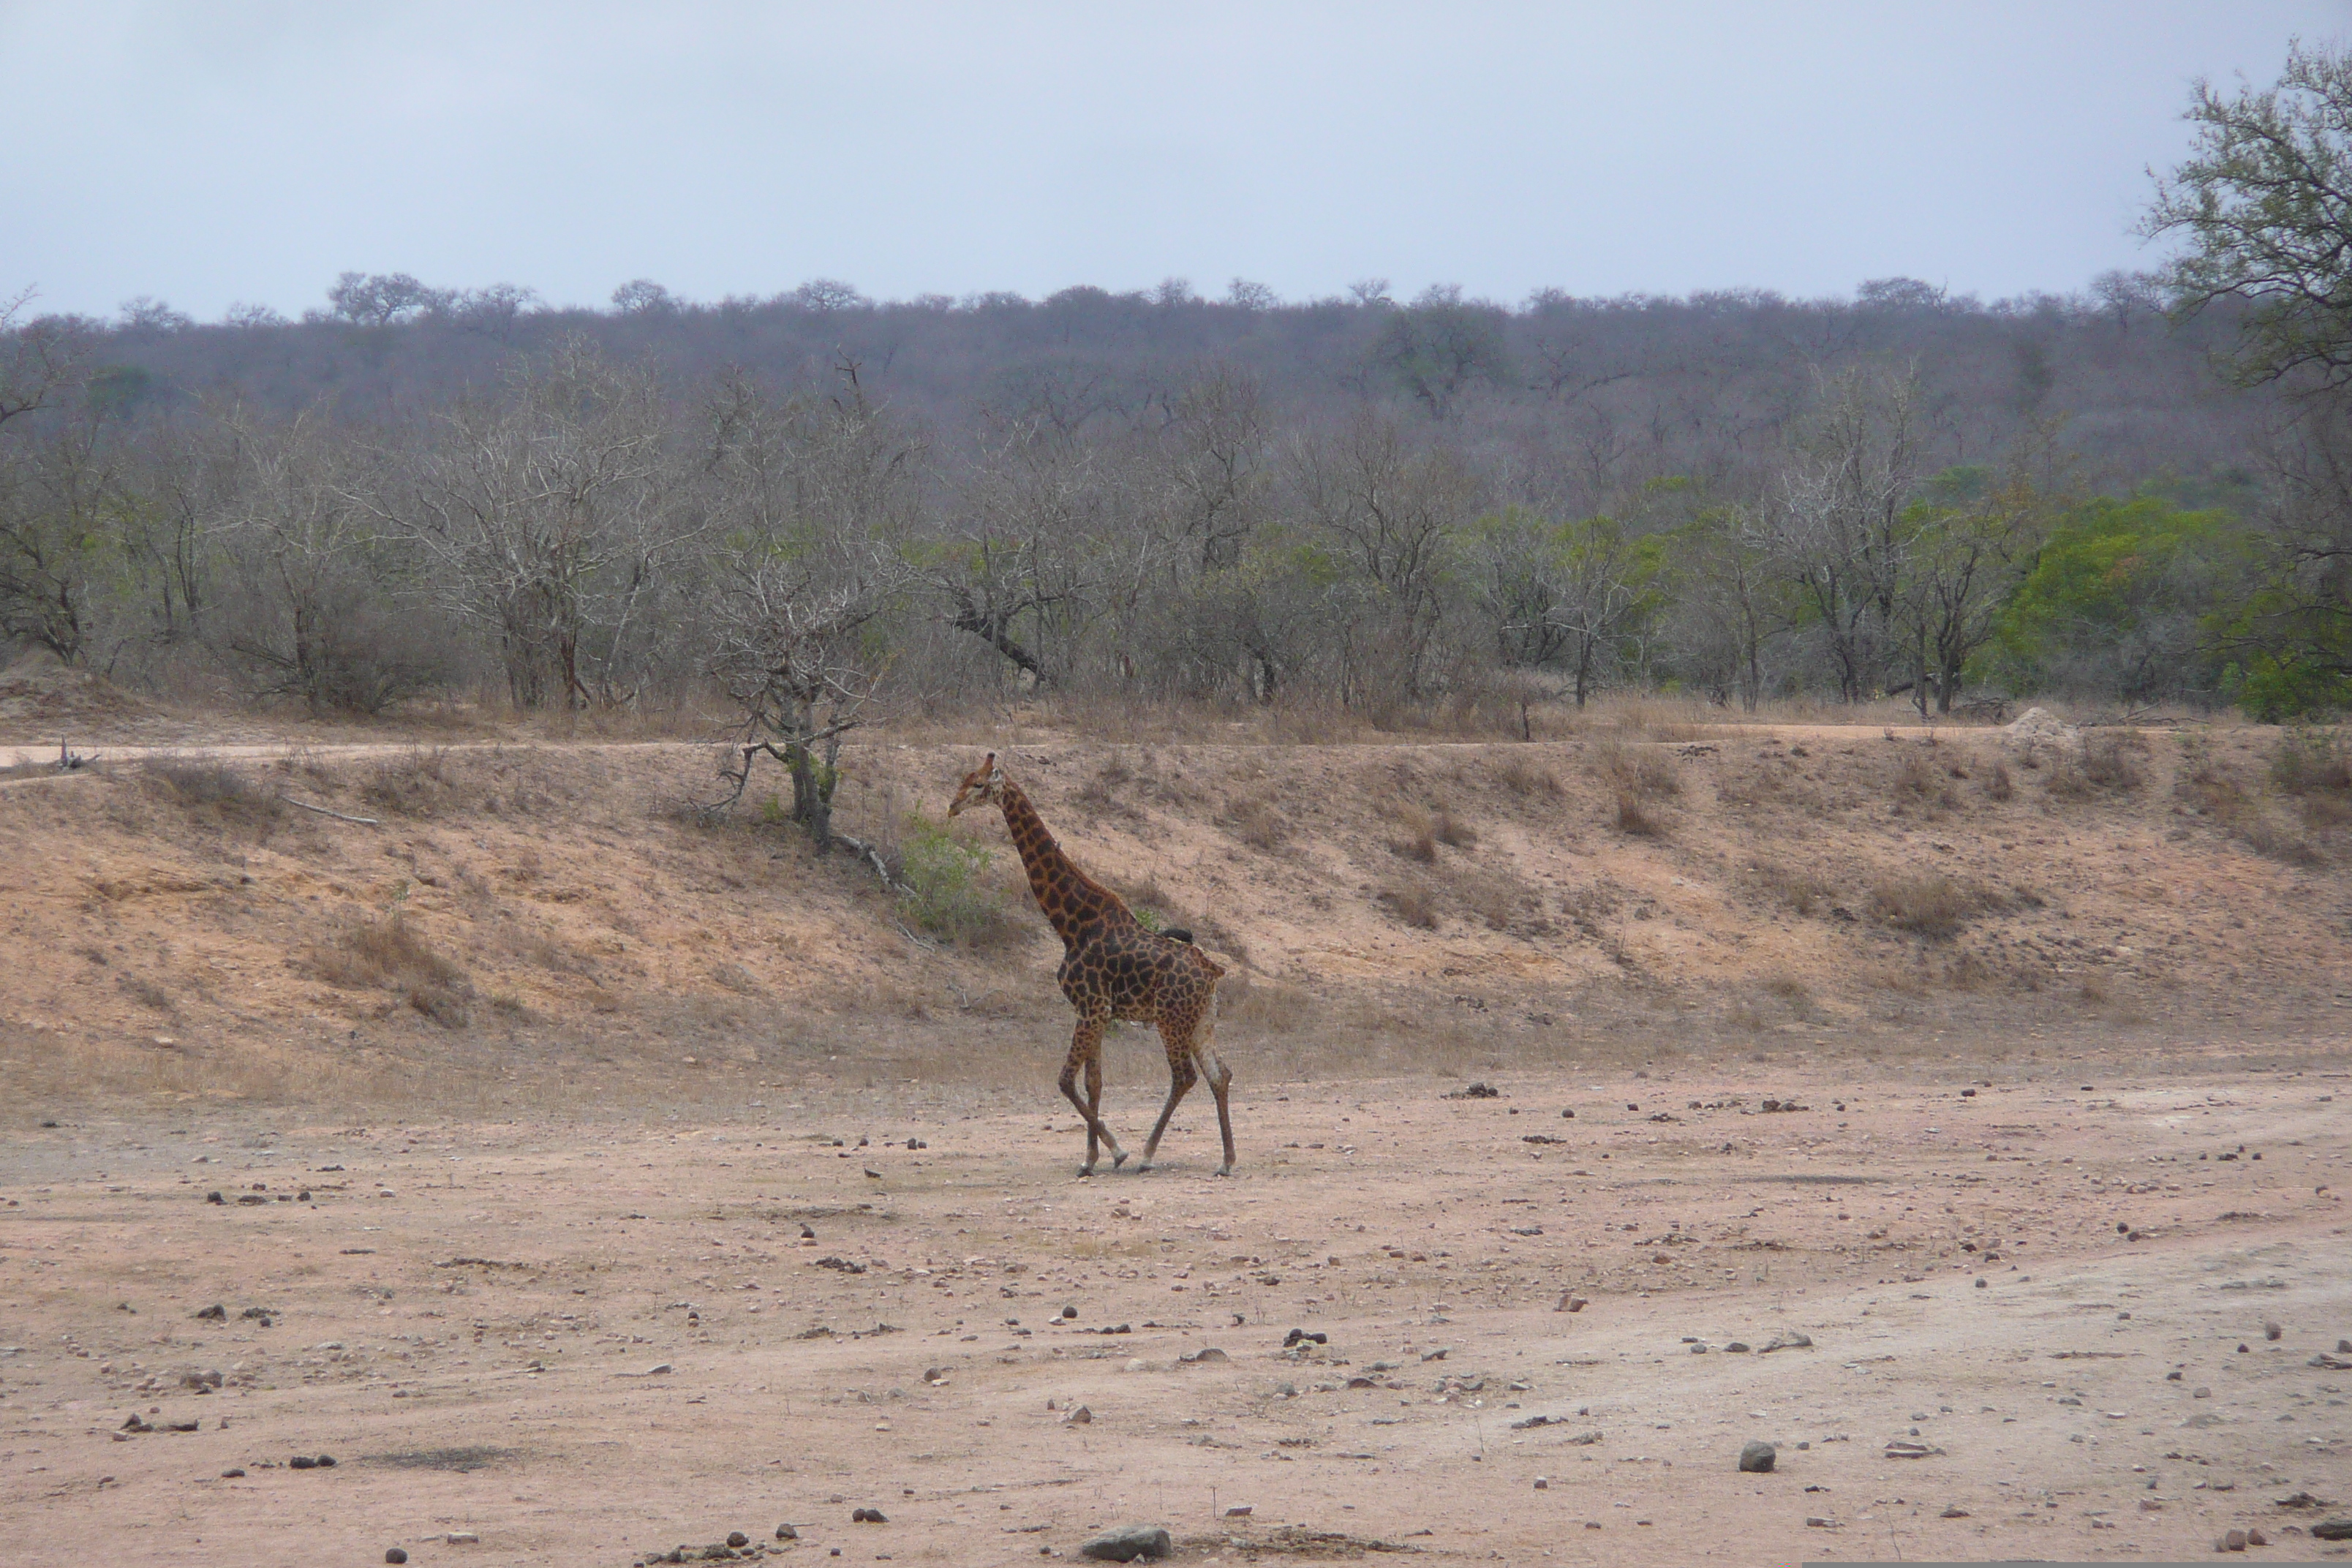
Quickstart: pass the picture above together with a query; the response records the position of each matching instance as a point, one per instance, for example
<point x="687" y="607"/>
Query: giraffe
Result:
<point x="1113" y="968"/>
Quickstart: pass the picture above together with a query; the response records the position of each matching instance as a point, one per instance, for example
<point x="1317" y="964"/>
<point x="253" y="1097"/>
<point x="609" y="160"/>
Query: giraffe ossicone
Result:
<point x="1113" y="969"/>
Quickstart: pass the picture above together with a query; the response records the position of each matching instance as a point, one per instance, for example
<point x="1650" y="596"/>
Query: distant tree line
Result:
<point x="2141" y="494"/>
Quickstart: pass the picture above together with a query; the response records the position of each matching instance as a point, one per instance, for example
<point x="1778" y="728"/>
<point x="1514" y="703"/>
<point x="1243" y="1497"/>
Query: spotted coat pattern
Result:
<point x="1112" y="968"/>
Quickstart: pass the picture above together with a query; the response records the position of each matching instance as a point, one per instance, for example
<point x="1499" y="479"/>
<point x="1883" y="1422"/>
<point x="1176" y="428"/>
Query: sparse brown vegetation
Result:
<point x="1929" y="904"/>
<point x="1257" y="823"/>
<point x="392" y="954"/>
<point x="1804" y="891"/>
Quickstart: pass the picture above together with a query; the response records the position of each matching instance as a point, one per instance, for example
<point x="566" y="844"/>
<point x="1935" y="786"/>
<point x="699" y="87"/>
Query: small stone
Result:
<point x="302" y="1462"/>
<point x="214" y="1314"/>
<point x="395" y="1554"/>
<point x="1757" y="1456"/>
<point x="1983" y="1284"/>
<point x="1069" y="1311"/>
<point x="1543" y="1483"/>
<point x="787" y="1533"/>
<point x="1955" y="1511"/>
<point x="236" y="1474"/>
<point x="2333" y="1530"/>
<point x="868" y="1516"/>
<point x="1241" y="1510"/>
<point x="1128" y="1544"/>
<point x="737" y="1538"/>
<point x="462" y="1538"/>
<point x="1081" y="1416"/>
<point x="1204" y="1356"/>
<point x="2234" y="1540"/>
<point x="325" y="1461"/>
<point x="2271" y="1331"/>
<point x="2254" y="1537"/>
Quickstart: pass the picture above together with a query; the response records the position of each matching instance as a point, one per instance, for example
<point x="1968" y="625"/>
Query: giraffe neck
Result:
<point x="1073" y="903"/>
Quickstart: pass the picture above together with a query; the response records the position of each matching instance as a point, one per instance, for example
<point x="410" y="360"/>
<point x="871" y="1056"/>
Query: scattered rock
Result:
<point x="1080" y="1416"/>
<point x="1788" y="1340"/>
<point x="1300" y="1336"/>
<point x="215" y="1313"/>
<point x="2327" y="1363"/>
<point x="1543" y="1483"/>
<point x="1241" y="1510"/>
<point x="1955" y="1511"/>
<point x="737" y="1538"/>
<point x="1569" y="1302"/>
<point x="2233" y="1540"/>
<point x="1128" y="1544"/>
<point x="868" y="1516"/>
<point x="1736" y="1347"/>
<point x="787" y="1533"/>
<point x="1757" y="1456"/>
<point x="2333" y="1530"/>
<point x="1905" y="1450"/>
<point x="1205" y="1355"/>
<point x="462" y="1538"/>
<point x="1068" y="1313"/>
<point x="2271" y="1331"/>
<point x="302" y="1462"/>
<point x="395" y="1554"/>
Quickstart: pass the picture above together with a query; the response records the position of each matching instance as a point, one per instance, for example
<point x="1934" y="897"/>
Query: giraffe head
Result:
<point x="979" y="786"/>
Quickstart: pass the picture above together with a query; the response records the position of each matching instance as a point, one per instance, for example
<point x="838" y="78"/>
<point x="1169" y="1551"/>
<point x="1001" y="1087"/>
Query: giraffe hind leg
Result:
<point x="1221" y="1077"/>
<point x="1181" y="1076"/>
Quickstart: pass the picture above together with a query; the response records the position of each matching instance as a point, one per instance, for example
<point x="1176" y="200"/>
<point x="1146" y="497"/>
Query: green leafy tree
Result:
<point x="2122" y="596"/>
<point x="2264" y="203"/>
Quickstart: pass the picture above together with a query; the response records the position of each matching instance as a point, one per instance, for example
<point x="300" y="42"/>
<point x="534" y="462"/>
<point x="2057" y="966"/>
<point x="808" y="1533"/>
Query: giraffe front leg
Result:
<point x="1094" y="1105"/>
<point x="1085" y="1055"/>
<point x="1221" y="1077"/>
<point x="1181" y="1079"/>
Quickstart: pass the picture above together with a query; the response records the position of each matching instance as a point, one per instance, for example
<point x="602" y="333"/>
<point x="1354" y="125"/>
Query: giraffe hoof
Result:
<point x="1119" y="1160"/>
<point x="1141" y="1166"/>
<point x="1086" y="1169"/>
<point x="1224" y="1170"/>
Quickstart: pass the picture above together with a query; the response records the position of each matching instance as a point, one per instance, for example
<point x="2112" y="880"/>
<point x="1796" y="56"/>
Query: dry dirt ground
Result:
<point x="561" y="1067"/>
<point x="2060" y="1292"/>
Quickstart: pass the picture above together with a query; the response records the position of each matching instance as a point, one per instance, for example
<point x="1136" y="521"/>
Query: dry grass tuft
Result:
<point x="1922" y="780"/>
<point x="391" y="955"/>
<point x="1256" y="823"/>
<point x="1998" y="786"/>
<point x="217" y="794"/>
<point x="1529" y="779"/>
<point x="1414" y="903"/>
<point x="1929" y="904"/>
<point x="1636" y="819"/>
<point x="1803" y="891"/>
<point x="417" y="783"/>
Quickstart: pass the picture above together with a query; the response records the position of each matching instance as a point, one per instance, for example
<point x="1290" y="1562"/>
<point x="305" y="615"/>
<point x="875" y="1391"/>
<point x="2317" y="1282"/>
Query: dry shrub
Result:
<point x="1101" y="793"/>
<point x="420" y="783"/>
<point x="1646" y="771"/>
<point x="1921" y="780"/>
<point x="1411" y="902"/>
<point x="217" y="794"/>
<point x="1524" y="777"/>
<point x="391" y="955"/>
<point x="2312" y="762"/>
<point x="1931" y="904"/>
<point x="1997" y="783"/>
<point x="1268" y="1005"/>
<point x="1636" y="819"/>
<point x="1256" y="823"/>
<point x="146" y="992"/>
<point x="1501" y="899"/>
<point x="2111" y="759"/>
<point x="1801" y="890"/>
<point x="2266" y="835"/>
<point x="1788" y="987"/>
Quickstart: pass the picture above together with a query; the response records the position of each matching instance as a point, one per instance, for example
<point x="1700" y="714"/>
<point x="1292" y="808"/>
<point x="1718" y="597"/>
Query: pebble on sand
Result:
<point x="1757" y="1456"/>
<point x="1128" y="1544"/>
<point x="395" y="1554"/>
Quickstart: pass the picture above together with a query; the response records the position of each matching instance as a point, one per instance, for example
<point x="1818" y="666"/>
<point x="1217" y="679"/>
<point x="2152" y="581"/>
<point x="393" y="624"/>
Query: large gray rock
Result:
<point x="1128" y="1544"/>
<point x="1757" y="1456"/>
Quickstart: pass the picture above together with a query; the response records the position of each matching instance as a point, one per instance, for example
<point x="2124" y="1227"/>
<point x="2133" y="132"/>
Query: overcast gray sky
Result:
<point x="214" y="152"/>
